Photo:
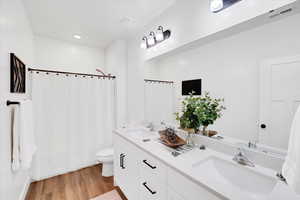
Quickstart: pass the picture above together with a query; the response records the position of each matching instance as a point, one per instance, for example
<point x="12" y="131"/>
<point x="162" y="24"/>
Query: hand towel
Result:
<point x="291" y="167"/>
<point x="27" y="139"/>
<point x="15" y="137"/>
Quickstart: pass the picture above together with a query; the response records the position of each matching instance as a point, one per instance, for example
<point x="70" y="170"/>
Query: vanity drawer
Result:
<point x="152" y="188"/>
<point x="153" y="167"/>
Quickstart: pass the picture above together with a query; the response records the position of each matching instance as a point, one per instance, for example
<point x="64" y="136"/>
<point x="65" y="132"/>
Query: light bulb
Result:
<point x="151" y="39"/>
<point x="144" y="44"/>
<point x="77" y="37"/>
<point x="160" y="34"/>
<point x="216" y="5"/>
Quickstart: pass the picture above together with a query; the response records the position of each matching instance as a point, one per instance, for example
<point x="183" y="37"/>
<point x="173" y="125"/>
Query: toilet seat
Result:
<point x="105" y="153"/>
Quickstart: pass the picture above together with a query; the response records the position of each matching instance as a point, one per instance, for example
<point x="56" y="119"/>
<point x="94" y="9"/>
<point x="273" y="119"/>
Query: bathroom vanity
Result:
<point x="145" y="169"/>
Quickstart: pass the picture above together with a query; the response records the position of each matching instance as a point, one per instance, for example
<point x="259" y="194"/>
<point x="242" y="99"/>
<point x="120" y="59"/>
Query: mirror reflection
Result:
<point x="260" y="85"/>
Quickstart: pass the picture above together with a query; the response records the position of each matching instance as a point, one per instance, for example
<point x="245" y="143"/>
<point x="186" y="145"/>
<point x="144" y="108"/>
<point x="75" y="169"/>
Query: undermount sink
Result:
<point x="140" y="134"/>
<point x="224" y="172"/>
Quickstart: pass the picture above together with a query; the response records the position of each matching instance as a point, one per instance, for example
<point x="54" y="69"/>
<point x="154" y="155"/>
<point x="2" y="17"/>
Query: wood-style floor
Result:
<point x="83" y="184"/>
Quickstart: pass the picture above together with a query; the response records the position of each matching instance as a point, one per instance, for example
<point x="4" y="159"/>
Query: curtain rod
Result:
<point x="72" y="73"/>
<point x="158" y="81"/>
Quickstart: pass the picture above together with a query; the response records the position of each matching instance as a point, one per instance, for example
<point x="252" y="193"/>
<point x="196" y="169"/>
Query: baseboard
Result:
<point x="25" y="189"/>
<point x="65" y="171"/>
<point x="115" y="181"/>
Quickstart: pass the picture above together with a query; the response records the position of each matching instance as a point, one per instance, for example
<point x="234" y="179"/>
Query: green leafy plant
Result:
<point x="208" y="110"/>
<point x="188" y="118"/>
<point x="199" y="111"/>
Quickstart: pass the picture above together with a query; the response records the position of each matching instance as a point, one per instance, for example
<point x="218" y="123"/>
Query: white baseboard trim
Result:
<point x="115" y="181"/>
<point x="64" y="171"/>
<point x="25" y="189"/>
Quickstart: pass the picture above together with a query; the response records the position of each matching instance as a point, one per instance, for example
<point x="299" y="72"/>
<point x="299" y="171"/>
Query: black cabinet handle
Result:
<point x="121" y="160"/>
<point x="151" y="191"/>
<point x="122" y="156"/>
<point x="152" y="167"/>
<point x="263" y="126"/>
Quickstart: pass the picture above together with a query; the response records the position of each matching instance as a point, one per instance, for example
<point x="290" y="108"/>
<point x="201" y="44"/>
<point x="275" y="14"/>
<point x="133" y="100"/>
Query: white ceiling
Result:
<point x="98" y="22"/>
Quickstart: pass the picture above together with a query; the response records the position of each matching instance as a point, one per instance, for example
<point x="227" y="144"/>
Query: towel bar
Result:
<point x="8" y="103"/>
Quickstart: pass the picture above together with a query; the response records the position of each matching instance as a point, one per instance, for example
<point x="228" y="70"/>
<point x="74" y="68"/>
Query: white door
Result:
<point x="279" y="99"/>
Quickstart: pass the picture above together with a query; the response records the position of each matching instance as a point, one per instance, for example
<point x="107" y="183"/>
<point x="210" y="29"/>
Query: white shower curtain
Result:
<point x="159" y="102"/>
<point x="74" y="119"/>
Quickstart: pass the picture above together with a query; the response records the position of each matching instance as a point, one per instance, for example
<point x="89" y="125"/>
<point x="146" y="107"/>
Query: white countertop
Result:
<point x="184" y="165"/>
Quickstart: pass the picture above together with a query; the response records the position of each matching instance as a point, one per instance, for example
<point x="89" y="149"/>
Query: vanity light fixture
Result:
<point x="216" y="5"/>
<point x="219" y="5"/>
<point x="144" y="44"/>
<point x="160" y="34"/>
<point x="151" y="39"/>
<point x="155" y="38"/>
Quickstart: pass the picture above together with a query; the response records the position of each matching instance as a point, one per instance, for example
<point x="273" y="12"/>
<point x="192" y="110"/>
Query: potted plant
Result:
<point x="208" y="110"/>
<point x="188" y="119"/>
<point x="199" y="111"/>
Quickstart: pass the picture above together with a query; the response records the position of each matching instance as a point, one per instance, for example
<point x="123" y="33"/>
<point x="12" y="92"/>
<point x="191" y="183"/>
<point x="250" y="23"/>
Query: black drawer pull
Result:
<point x="145" y="185"/>
<point x="152" y="167"/>
<point x="263" y="126"/>
<point x="122" y="156"/>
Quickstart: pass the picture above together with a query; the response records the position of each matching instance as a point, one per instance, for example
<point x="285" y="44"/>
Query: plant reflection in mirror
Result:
<point x="199" y="111"/>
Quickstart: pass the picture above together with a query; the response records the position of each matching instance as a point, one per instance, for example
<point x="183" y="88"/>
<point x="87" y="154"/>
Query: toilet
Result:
<point x="106" y="156"/>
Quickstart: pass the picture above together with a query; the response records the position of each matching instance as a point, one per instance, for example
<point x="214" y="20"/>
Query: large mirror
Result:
<point x="257" y="74"/>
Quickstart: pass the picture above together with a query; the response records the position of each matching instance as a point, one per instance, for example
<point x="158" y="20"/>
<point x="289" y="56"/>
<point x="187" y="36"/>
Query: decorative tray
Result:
<point x="178" y="141"/>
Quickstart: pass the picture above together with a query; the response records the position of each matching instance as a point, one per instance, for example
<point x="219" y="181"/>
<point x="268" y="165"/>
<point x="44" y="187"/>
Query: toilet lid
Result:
<point x="106" y="152"/>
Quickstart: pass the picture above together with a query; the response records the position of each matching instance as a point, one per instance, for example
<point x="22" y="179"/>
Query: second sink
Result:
<point x="235" y="176"/>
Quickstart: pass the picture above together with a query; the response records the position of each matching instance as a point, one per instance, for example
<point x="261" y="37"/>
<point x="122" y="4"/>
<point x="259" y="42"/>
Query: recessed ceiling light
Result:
<point x="77" y="37"/>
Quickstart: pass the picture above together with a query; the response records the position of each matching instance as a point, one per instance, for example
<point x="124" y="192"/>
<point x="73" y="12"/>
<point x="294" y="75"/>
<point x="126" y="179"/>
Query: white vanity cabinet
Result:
<point x="126" y="169"/>
<point x="186" y="189"/>
<point x="141" y="176"/>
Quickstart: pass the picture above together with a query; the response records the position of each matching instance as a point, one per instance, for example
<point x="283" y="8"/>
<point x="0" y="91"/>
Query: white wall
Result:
<point x="15" y="36"/>
<point x="116" y="64"/>
<point x="229" y="68"/>
<point x="59" y="55"/>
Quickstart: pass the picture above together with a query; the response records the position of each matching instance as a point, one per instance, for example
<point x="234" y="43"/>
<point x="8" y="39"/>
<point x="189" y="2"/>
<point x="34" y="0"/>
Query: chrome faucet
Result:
<point x="163" y="123"/>
<point x="252" y="145"/>
<point x="151" y="126"/>
<point x="241" y="159"/>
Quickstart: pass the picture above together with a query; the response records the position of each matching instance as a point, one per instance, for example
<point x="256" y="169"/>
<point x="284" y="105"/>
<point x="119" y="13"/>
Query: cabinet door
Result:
<point x="172" y="195"/>
<point x="126" y="169"/>
<point x="188" y="189"/>
<point x="120" y="169"/>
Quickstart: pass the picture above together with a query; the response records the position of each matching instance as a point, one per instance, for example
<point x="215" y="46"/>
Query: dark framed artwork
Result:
<point x="17" y="75"/>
